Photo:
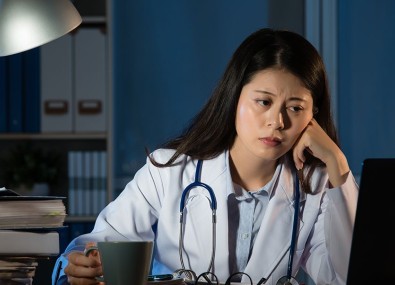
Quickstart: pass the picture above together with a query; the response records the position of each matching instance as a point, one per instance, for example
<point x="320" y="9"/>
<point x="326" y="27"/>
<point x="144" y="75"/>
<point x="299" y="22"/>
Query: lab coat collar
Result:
<point x="274" y="237"/>
<point x="216" y="173"/>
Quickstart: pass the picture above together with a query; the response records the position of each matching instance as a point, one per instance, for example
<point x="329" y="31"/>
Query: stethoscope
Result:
<point x="213" y="205"/>
<point x="285" y="280"/>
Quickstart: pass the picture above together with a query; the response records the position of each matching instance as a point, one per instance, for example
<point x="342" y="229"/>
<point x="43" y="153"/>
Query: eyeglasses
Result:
<point x="209" y="278"/>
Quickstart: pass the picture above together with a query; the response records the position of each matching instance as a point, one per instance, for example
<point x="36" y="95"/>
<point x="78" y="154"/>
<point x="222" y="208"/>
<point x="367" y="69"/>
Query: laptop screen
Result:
<point x="372" y="259"/>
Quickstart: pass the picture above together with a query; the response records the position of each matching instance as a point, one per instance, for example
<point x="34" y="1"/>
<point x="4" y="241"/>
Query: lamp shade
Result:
<point x="26" y="24"/>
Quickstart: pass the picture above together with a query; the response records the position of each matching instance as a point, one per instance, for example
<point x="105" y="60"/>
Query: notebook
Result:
<point x="372" y="259"/>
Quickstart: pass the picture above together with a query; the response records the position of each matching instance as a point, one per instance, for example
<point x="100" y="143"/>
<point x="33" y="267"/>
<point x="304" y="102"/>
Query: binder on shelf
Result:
<point x="15" y="95"/>
<point x="3" y="95"/>
<point x="79" y="189"/>
<point x="72" y="178"/>
<point x="57" y="85"/>
<point x="90" y="80"/>
<point x="31" y="78"/>
<point x="87" y="174"/>
<point x="103" y="179"/>
<point x="95" y="183"/>
<point x="87" y="185"/>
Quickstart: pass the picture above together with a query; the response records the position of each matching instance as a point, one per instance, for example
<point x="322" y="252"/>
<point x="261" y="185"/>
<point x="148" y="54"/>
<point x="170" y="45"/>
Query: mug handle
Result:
<point x="88" y="251"/>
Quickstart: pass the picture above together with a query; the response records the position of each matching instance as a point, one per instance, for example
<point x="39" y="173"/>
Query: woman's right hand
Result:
<point x="82" y="270"/>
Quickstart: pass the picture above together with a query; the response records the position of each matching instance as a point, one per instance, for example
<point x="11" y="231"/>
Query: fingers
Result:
<point x="78" y="258"/>
<point x="316" y="141"/>
<point x="302" y="144"/>
<point x="82" y="272"/>
<point x="298" y="156"/>
<point x="82" y="269"/>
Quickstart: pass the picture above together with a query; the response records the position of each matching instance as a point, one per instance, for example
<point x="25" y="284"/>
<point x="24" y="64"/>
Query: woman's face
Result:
<point x="273" y="110"/>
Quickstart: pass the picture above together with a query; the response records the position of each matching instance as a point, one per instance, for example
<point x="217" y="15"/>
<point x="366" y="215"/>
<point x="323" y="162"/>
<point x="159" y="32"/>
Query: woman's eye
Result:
<point x="295" y="109"/>
<point x="264" y="102"/>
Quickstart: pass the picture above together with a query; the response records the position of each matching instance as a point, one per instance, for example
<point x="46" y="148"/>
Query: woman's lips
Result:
<point x="271" y="141"/>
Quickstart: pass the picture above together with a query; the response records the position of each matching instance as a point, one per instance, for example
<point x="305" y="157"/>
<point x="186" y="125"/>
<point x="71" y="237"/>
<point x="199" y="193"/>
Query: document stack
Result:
<point x="29" y="231"/>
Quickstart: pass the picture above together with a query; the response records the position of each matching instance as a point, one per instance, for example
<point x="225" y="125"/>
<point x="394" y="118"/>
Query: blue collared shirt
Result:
<point x="246" y="210"/>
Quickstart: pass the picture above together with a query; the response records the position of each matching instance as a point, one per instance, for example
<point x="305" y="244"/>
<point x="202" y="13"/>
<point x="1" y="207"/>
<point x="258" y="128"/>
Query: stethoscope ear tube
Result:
<point x="213" y="206"/>
<point x="197" y="183"/>
<point x="294" y="227"/>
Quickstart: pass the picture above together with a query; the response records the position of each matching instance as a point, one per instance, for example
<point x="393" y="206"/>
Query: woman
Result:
<point x="266" y="130"/>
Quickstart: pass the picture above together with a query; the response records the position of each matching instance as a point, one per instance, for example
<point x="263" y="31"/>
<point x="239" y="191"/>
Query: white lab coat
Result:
<point x="153" y="197"/>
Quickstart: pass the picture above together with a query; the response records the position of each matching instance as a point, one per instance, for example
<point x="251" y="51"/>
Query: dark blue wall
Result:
<point x="366" y="79"/>
<point x="168" y="56"/>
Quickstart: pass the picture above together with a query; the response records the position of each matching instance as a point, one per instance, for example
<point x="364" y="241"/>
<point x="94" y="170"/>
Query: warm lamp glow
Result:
<point x="26" y="24"/>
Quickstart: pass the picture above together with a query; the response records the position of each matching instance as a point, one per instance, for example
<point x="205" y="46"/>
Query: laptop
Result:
<point x="372" y="259"/>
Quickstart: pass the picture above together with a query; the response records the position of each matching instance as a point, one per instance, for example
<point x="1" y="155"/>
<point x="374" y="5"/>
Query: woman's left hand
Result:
<point x="314" y="140"/>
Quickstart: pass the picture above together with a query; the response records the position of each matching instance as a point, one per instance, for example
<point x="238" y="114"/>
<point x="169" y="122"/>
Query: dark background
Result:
<point x="167" y="57"/>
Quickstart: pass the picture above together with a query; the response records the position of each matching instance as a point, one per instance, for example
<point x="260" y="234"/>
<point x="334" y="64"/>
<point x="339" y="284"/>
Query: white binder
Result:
<point x="90" y="80"/>
<point x="56" y="85"/>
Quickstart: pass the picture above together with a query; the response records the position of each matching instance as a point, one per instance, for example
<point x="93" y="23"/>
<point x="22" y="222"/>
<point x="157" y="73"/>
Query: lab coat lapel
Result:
<point x="274" y="237"/>
<point x="216" y="173"/>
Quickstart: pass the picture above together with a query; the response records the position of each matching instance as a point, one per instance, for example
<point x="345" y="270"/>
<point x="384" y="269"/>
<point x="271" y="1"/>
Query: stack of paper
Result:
<point x="17" y="270"/>
<point x="29" y="230"/>
<point x="33" y="212"/>
<point x="18" y="212"/>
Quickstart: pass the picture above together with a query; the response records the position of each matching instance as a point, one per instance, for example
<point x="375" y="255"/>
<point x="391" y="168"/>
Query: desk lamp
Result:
<point x="26" y="24"/>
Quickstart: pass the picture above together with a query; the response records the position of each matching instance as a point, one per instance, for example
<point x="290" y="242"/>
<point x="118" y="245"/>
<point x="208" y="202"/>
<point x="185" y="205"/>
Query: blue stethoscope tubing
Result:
<point x="197" y="183"/>
<point x="213" y="205"/>
<point x="295" y="227"/>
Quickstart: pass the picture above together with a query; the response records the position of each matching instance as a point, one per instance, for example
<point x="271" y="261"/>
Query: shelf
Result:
<point x="73" y="219"/>
<point x="53" y="136"/>
<point x="89" y="20"/>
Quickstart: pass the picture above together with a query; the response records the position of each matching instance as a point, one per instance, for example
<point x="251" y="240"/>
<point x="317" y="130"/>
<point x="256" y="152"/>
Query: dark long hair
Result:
<point x="213" y="129"/>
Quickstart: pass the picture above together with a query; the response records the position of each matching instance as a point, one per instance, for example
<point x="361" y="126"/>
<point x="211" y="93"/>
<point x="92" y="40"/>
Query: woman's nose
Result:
<point x="276" y="121"/>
